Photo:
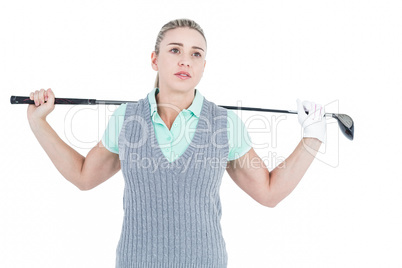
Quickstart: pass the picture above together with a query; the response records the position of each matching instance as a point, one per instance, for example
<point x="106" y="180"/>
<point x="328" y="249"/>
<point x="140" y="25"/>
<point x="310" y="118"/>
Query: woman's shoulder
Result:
<point x="121" y="110"/>
<point x="238" y="136"/>
<point x="234" y="118"/>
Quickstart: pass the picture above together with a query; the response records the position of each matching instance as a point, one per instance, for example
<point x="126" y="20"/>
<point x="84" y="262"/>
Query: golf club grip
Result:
<point x="27" y="100"/>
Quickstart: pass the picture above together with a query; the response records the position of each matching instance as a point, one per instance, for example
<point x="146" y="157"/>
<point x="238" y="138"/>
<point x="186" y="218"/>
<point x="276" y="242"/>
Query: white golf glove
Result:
<point x="312" y="119"/>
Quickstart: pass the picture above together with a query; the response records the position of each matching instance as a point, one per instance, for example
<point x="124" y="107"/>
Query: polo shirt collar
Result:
<point x="195" y="106"/>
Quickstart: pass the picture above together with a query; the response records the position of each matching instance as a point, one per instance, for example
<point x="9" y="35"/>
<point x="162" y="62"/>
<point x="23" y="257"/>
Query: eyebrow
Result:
<point x="180" y="44"/>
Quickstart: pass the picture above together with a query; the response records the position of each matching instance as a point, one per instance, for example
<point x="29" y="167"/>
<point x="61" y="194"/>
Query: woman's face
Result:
<point x="181" y="50"/>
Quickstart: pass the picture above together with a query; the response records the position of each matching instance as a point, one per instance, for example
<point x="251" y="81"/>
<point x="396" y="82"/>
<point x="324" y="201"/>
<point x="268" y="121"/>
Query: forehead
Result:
<point x="186" y="36"/>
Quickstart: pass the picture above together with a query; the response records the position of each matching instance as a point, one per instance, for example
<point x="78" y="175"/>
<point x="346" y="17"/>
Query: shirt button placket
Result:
<point x="169" y="138"/>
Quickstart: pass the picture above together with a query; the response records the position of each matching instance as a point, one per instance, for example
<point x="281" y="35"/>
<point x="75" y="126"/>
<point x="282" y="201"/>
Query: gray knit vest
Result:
<point x="172" y="210"/>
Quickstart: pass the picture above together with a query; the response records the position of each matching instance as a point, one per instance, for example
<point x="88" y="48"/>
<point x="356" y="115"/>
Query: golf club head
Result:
<point x="346" y="124"/>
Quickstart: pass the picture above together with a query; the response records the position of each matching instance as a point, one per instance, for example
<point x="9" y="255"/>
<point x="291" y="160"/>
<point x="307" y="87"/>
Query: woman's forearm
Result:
<point x="285" y="177"/>
<point x="67" y="161"/>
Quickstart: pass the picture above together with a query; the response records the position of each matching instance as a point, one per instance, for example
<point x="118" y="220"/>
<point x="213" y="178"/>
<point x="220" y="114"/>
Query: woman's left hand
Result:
<point x="312" y="118"/>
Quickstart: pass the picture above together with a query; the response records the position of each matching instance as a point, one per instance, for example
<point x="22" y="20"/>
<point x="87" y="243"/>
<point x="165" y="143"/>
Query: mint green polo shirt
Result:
<point x="175" y="141"/>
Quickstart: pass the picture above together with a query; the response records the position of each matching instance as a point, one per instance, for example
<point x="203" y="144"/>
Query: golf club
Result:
<point x="345" y="122"/>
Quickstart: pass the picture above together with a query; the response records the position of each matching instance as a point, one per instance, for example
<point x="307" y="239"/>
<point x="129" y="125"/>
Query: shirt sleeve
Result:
<point x="239" y="138"/>
<point x="110" y="138"/>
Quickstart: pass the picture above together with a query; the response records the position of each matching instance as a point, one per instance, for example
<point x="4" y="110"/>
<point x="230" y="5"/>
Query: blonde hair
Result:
<point x="173" y="25"/>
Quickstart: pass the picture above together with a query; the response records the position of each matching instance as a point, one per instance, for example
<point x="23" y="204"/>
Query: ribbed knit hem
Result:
<point x="168" y="265"/>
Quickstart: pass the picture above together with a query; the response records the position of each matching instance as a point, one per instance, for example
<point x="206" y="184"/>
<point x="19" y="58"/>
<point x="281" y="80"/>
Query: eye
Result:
<point x="175" y="51"/>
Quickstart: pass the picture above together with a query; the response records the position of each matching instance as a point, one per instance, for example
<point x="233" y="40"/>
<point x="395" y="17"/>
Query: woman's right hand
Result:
<point x="44" y="104"/>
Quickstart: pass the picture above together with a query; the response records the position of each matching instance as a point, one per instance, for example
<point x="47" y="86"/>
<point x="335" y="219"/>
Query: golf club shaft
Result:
<point x="71" y="101"/>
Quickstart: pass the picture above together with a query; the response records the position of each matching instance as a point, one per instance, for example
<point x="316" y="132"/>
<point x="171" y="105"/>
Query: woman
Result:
<point x="173" y="148"/>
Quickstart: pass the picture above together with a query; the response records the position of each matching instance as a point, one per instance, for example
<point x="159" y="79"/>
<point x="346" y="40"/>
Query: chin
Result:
<point x="184" y="87"/>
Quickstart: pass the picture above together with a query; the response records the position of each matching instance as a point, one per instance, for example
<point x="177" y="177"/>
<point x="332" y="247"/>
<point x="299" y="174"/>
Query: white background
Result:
<point x="346" y="211"/>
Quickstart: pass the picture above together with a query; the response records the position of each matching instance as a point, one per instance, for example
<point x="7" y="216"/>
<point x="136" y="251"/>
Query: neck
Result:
<point x="171" y="103"/>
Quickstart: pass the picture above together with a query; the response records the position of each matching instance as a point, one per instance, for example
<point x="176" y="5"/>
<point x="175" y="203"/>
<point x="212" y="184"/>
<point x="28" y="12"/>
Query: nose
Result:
<point x="184" y="60"/>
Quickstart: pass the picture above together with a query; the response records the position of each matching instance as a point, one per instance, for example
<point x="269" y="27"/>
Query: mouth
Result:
<point x="183" y="75"/>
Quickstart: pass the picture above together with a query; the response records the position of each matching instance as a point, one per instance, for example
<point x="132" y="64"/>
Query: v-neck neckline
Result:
<point x="190" y="148"/>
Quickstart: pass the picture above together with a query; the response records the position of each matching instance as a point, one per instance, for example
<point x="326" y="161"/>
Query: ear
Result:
<point x="154" y="61"/>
